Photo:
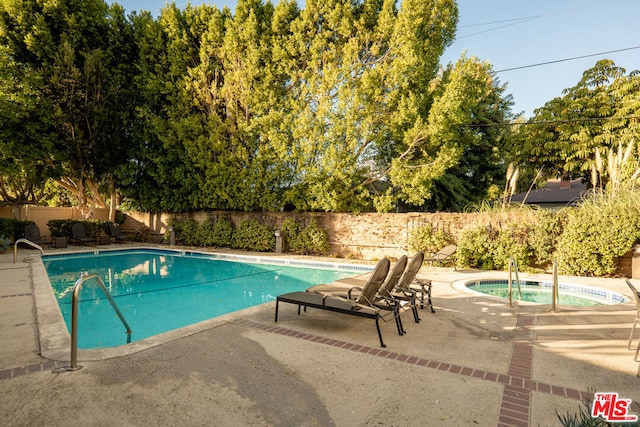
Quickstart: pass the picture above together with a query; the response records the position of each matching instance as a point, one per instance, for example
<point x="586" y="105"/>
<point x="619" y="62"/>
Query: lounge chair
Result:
<point x="32" y="233"/>
<point x="444" y="255"/>
<point x="409" y="288"/>
<point x="360" y="307"/>
<point x="79" y="234"/>
<point x="116" y="233"/>
<point x="636" y="296"/>
<point x="351" y="289"/>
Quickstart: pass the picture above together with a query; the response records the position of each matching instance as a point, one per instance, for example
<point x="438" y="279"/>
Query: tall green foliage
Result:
<point x="571" y="136"/>
<point x="338" y="106"/>
<point x="76" y="61"/>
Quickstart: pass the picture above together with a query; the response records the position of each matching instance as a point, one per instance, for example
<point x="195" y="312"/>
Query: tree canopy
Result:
<point x="585" y="133"/>
<point x="340" y="106"/>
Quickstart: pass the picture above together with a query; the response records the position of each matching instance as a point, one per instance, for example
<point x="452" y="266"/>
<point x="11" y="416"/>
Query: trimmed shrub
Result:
<point x="253" y="236"/>
<point x="598" y="232"/>
<point x="291" y="230"/>
<point x="222" y="233"/>
<point x="311" y="239"/>
<point x="63" y="227"/>
<point x="187" y="231"/>
<point x="4" y="244"/>
<point x="475" y="248"/>
<point x="428" y="240"/>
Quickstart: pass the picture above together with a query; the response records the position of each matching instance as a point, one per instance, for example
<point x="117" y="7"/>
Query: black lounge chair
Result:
<point x="116" y="233"/>
<point x="353" y="288"/>
<point x="79" y="234"/>
<point x="32" y="233"/>
<point x="444" y="255"/>
<point x="361" y="307"/>
<point x="335" y="304"/>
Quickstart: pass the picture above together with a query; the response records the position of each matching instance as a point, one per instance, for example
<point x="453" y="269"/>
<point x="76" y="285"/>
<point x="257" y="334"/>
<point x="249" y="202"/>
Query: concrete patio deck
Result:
<point x="476" y="361"/>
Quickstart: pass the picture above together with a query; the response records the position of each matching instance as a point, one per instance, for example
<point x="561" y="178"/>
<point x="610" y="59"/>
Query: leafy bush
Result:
<point x="544" y="234"/>
<point x="512" y="242"/>
<point x="186" y="231"/>
<point x="222" y="233"/>
<point x="291" y="229"/>
<point x="313" y="239"/>
<point x="307" y="240"/>
<point x="475" y="248"/>
<point x="60" y="227"/>
<point x="428" y="240"/>
<point x="599" y="231"/>
<point x="7" y="227"/>
<point x="63" y="227"/>
<point x="253" y="236"/>
<point x="4" y="244"/>
<point x="13" y="229"/>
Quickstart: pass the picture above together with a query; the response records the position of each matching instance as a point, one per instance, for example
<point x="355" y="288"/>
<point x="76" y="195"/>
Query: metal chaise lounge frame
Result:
<point x="446" y="254"/>
<point x="360" y="307"/>
<point x="79" y="234"/>
<point x="353" y="289"/>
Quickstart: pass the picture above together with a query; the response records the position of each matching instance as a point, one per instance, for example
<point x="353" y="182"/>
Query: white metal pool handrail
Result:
<point x="28" y="242"/>
<point x="74" y="317"/>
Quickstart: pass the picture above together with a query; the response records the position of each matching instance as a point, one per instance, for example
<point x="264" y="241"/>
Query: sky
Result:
<point x="523" y="33"/>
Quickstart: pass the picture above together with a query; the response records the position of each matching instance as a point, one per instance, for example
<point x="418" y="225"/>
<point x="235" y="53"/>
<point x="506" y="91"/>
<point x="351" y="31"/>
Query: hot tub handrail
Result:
<point x="28" y="242"/>
<point x="513" y="266"/>
<point x="74" y="316"/>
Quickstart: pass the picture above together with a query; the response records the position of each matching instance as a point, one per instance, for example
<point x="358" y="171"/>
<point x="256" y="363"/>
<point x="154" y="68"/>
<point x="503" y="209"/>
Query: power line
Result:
<point x="551" y="122"/>
<point x="524" y="18"/>
<point x="518" y="21"/>
<point x="567" y="59"/>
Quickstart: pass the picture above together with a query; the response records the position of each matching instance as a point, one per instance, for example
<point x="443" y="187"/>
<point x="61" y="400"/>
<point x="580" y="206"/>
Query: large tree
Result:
<point x="576" y="135"/>
<point x="78" y="55"/>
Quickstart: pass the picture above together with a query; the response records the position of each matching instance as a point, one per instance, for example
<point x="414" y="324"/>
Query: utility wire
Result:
<point x="567" y="59"/>
<point x="518" y="21"/>
<point x="551" y="122"/>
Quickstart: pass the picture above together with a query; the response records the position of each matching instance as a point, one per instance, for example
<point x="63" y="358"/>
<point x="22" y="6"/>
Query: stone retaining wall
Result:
<point x="362" y="236"/>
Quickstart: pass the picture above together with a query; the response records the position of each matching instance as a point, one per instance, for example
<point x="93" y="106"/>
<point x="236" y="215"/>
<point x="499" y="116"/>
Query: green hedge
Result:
<point x="63" y="227"/>
<point x="253" y="236"/>
<point x="309" y="239"/>
<point x="12" y="229"/>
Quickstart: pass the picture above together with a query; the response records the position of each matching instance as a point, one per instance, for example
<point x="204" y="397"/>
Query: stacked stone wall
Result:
<point x="362" y="236"/>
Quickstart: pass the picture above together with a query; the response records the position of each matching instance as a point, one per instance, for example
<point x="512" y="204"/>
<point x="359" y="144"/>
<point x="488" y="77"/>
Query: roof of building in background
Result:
<point x="556" y="192"/>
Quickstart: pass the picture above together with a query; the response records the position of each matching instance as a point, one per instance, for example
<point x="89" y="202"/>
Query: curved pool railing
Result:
<point x="74" y="317"/>
<point x="28" y="242"/>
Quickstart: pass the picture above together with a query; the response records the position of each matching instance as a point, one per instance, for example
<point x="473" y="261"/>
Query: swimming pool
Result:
<point x="162" y="290"/>
<point x="539" y="291"/>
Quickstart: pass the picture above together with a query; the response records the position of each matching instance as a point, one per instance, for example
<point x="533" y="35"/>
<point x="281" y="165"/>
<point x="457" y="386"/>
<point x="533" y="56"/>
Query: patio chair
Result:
<point x="79" y="234"/>
<point x="32" y="233"/>
<point x="116" y="233"/>
<point x="409" y="288"/>
<point x="636" y="296"/>
<point x="381" y="298"/>
<point x="351" y="287"/>
<point x="360" y="307"/>
<point x="444" y="255"/>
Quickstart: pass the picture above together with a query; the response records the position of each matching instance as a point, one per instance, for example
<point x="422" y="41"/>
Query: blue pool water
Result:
<point x="161" y="290"/>
<point x="540" y="292"/>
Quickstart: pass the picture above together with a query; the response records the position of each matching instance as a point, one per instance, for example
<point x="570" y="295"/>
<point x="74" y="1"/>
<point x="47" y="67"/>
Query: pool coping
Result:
<point x="462" y="285"/>
<point x="55" y="339"/>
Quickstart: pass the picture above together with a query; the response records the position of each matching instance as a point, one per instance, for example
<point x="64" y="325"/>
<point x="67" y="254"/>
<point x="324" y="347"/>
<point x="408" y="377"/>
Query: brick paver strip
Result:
<point x="511" y="394"/>
<point x="515" y="387"/>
